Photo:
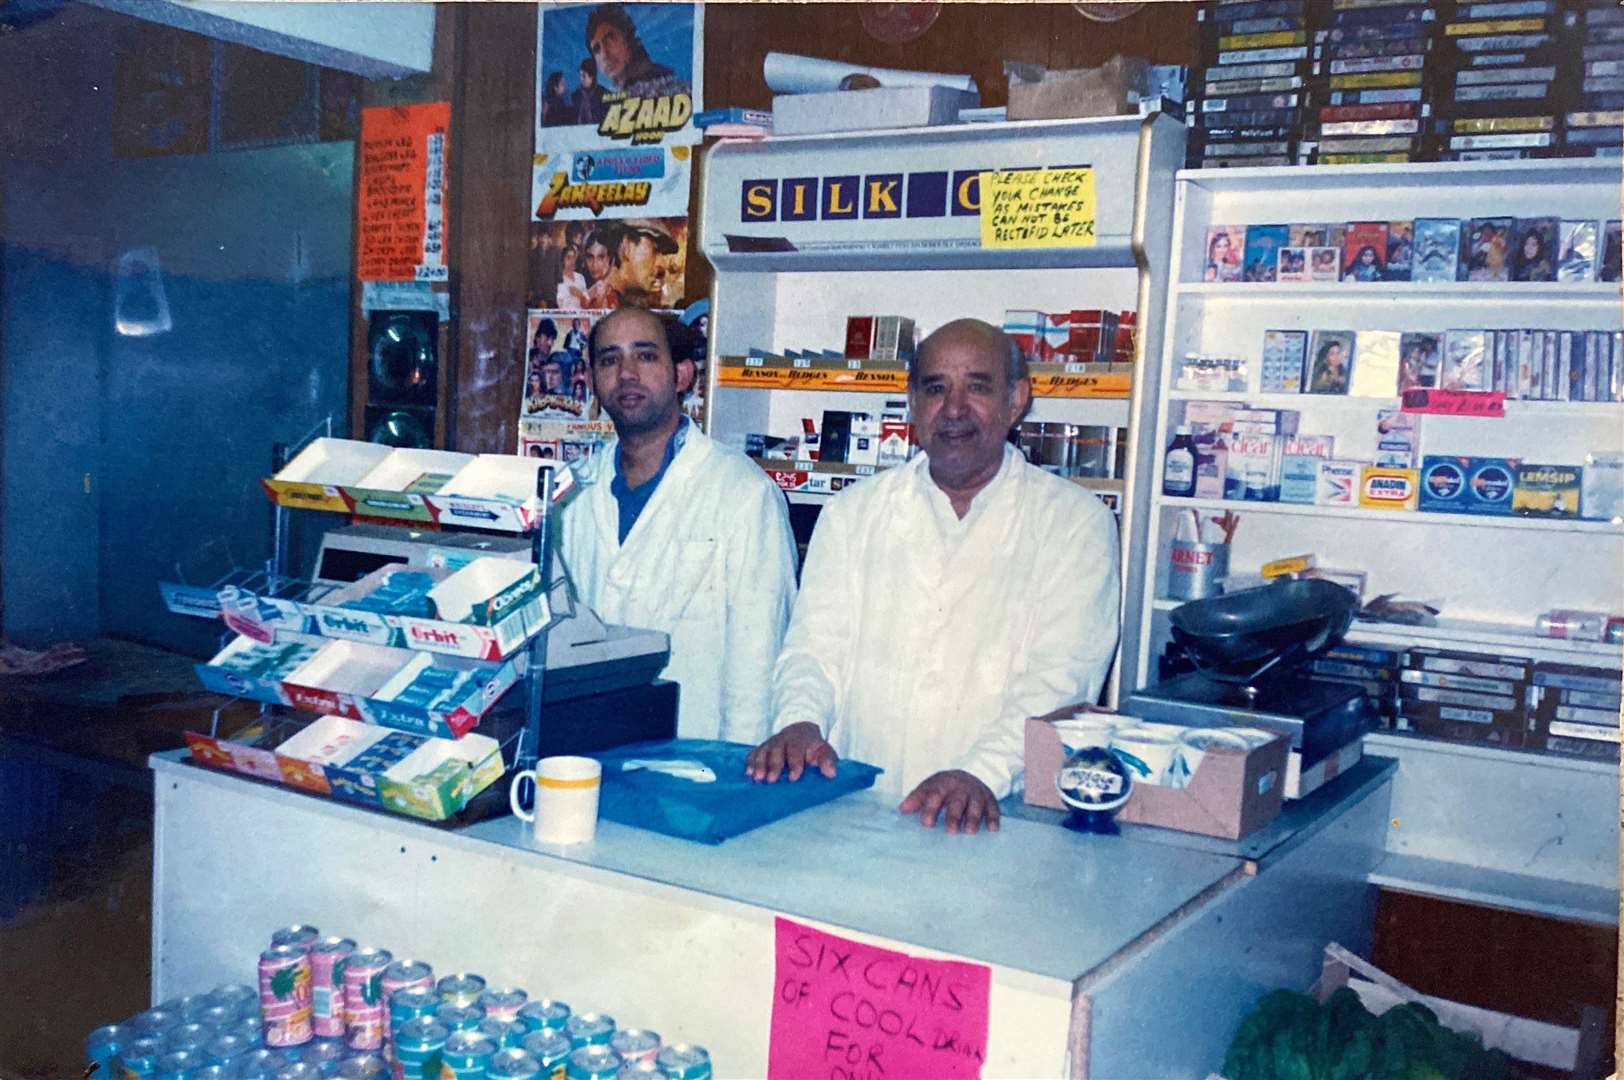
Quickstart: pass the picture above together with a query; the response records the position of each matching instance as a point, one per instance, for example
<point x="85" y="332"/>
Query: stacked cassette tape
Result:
<point x="1370" y="89"/>
<point x="1594" y="127"/>
<point x="1477" y="697"/>
<point x="1503" y="69"/>
<point x="1246" y="105"/>
<point x="1576" y="709"/>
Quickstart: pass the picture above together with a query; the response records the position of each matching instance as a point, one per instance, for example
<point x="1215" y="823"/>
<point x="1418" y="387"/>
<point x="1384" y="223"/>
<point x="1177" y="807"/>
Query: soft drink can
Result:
<point x="362" y="1067"/>
<point x="545" y="1014"/>
<point x="590" y="1029"/>
<point x="260" y="1063"/>
<point x="406" y="975"/>
<point x="154" y="1021"/>
<point x="178" y="1065"/>
<point x="284" y="995"/>
<point x="417" y="1043"/>
<point x="595" y="1062"/>
<point x="685" y="1061"/>
<point x="365" y="1012"/>
<point x="140" y="1058"/>
<point x="635" y="1044"/>
<point x="236" y="997"/>
<point x="226" y="1048"/>
<point x="460" y="1018"/>
<point x="505" y="1034"/>
<point x="551" y="1049"/>
<point x="503" y="1004"/>
<point x="461" y="989"/>
<point x="513" y="1064"/>
<point x="103" y="1044"/>
<point x="327" y="959"/>
<point x="325" y="1054"/>
<point x="640" y="1070"/>
<point x="466" y="1056"/>
<point x="411" y="1003"/>
<point x="299" y="1070"/>
<point x="299" y="937"/>
<point x="219" y="1016"/>
<point x="251" y="1030"/>
<point x="189" y="1036"/>
<point x="213" y="1072"/>
<point x="191" y="1007"/>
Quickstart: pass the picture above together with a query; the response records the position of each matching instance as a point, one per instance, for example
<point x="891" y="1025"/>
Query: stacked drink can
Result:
<point x="326" y="1008"/>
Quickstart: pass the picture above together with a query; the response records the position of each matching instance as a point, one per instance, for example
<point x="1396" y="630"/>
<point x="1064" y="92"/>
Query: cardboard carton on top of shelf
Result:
<point x="395" y="487"/>
<point x="870" y="110"/>
<point x="497" y="491"/>
<point x="1036" y="93"/>
<point x="313" y="479"/>
<point x="1232" y="793"/>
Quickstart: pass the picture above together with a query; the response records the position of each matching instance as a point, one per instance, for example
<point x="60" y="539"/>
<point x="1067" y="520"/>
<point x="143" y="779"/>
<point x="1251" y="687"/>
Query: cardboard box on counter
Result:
<point x="1232" y="793"/>
<point x="1036" y="93"/>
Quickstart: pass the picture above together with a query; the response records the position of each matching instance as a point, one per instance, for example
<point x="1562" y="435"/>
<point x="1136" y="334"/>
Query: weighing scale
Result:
<point x="1248" y="647"/>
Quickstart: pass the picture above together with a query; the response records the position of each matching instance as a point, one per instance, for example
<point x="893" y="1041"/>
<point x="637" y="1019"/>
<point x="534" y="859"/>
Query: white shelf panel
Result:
<point x="1399" y="517"/>
<point x="1454" y="632"/>
<point x="1515" y="409"/>
<point x="1451" y="292"/>
<point x="1300" y="181"/>
<point x="1497" y="888"/>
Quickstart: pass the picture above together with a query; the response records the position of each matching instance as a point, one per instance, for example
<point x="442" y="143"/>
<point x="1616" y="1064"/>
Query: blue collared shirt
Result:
<point x="631" y="501"/>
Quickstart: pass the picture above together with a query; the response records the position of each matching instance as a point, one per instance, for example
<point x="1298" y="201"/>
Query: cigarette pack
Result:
<point x="1299" y="479"/>
<point x="1385" y="488"/>
<point x="859" y="336"/>
<point x="1338" y="483"/>
<point x="893" y="338"/>
<point x="896" y="435"/>
<point x="835" y="436"/>
<point x="1547" y="491"/>
<point x="863" y="440"/>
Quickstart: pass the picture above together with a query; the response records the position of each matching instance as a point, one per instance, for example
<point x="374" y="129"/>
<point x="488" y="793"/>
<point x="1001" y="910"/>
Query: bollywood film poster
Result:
<point x="600" y="265"/>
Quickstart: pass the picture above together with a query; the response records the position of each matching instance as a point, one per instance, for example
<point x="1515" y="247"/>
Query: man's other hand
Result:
<point x="962" y="801"/>
<point x="797" y="748"/>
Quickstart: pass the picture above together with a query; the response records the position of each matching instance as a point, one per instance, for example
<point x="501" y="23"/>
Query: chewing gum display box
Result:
<point x="1233" y="792"/>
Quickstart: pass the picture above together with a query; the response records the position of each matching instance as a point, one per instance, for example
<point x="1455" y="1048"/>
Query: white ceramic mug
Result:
<point x="1080" y="732"/>
<point x="1193" y="747"/>
<point x="1146" y="751"/>
<point x="566" y="802"/>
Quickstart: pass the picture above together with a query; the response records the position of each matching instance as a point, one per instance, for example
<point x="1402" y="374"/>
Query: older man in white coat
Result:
<point x="674" y="532"/>
<point x="947" y="600"/>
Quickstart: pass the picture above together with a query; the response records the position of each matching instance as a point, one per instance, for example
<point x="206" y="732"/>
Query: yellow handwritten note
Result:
<point x="1038" y="208"/>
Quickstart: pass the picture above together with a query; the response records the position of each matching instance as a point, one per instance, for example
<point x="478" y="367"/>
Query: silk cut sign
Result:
<point x="843" y="1010"/>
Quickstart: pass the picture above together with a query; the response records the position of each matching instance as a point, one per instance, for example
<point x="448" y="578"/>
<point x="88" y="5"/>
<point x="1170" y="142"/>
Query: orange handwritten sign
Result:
<point x="1490" y="403"/>
<point x="842" y="1009"/>
<point x="402" y="184"/>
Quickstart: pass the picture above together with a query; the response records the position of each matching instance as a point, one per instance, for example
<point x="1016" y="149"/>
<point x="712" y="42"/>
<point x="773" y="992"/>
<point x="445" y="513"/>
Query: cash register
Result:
<point x="1248" y="648"/>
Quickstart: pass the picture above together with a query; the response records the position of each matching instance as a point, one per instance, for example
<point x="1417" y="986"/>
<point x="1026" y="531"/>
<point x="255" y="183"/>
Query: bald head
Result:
<point x="977" y="335"/>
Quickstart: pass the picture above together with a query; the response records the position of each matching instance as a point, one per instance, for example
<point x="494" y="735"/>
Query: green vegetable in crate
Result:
<point x="1288" y="1036"/>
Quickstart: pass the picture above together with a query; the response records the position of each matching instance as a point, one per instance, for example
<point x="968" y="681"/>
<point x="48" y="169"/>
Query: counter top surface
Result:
<point x="1041" y="899"/>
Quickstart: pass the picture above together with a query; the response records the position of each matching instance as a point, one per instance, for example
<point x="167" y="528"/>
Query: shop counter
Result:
<point x="1108" y="956"/>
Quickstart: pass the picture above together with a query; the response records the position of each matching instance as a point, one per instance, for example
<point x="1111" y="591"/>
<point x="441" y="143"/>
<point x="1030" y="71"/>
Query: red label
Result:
<point x="1455" y="402"/>
<point x="788" y="480"/>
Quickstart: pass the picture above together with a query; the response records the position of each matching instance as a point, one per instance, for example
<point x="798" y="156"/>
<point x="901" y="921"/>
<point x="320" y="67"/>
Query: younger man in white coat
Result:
<point x="946" y="600"/>
<point x="674" y="532"/>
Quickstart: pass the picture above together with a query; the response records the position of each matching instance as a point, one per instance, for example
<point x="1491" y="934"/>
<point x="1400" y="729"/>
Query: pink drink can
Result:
<point x="284" y="995"/>
<point x="366" y="1012"/>
<point x="301" y="937"/>
<point x="327" y="959"/>
<point x="406" y="975"/>
<point x="503" y="1004"/>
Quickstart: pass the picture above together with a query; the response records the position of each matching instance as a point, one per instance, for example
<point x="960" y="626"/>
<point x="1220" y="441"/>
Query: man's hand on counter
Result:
<point x="962" y="801"/>
<point x="797" y="748"/>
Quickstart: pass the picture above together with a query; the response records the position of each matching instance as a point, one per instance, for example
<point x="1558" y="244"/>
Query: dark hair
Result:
<point x="615" y="16"/>
<point x="1325" y="349"/>
<point x="545" y="328"/>
<point x="589" y="66"/>
<point x="680" y="341"/>
<point x="555" y="77"/>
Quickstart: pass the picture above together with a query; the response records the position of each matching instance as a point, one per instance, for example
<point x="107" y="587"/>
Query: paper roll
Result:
<point x="788" y="73"/>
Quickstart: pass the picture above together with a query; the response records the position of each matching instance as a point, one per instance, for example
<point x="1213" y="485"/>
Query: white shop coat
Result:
<point x="921" y="642"/>
<point x="710" y="561"/>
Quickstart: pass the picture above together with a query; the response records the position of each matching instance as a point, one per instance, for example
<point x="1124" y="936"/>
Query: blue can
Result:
<point x="299" y="1070"/>
<point x="363" y="1066"/>
<point x="325" y="1054"/>
<point x="640" y="1070"/>
<point x="250" y="1030"/>
<point x="590" y="1029"/>
<point x="460" y="1017"/>
<point x="596" y="1062"/>
<point x="189" y="1036"/>
<point x="191" y="1007"/>
<point x="226" y="1048"/>
<point x="238" y="998"/>
<point x="551" y="1049"/>
<point x="467" y="1054"/>
<point x="506" y="1034"/>
<point x="411" y="1004"/>
<point x="503" y="1004"/>
<point x="213" y="1072"/>
<point x="154" y="1021"/>
<point x="218" y="1016"/>
<point x="513" y="1064"/>
<point x="260" y="1063"/>
<point x="685" y="1061"/>
<point x="139" y="1061"/>
<point x="418" y="1043"/>
<point x="544" y="1014"/>
<point x="179" y="1065"/>
<point x="103" y="1044"/>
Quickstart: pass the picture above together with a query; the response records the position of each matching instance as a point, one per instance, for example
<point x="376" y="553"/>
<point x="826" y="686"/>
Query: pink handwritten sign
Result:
<point x="1454" y="402"/>
<point x="847" y="1011"/>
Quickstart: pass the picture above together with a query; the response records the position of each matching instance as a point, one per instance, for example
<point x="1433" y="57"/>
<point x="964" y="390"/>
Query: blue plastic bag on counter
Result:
<point x="696" y="789"/>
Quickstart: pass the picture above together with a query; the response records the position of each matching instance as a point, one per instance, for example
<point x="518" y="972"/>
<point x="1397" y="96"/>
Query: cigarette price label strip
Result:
<point x="891" y="377"/>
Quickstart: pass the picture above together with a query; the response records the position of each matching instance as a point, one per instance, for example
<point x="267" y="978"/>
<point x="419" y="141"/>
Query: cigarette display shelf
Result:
<point x="1049" y="380"/>
<point x="814" y="482"/>
<point x="789" y="280"/>
<point x="1490" y="576"/>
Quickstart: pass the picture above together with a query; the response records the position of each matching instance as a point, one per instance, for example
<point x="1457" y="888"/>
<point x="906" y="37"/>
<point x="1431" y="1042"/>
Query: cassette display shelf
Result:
<point x="338" y="650"/>
<point x="1490" y="576"/>
<point x="789" y="274"/>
